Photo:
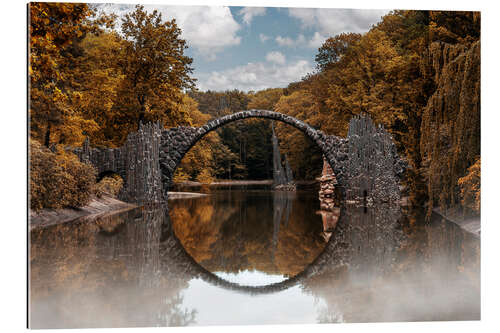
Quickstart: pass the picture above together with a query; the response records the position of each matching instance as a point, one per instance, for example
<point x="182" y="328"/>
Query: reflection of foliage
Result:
<point x="231" y="233"/>
<point x="175" y="315"/>
<point x="106" y="273"/>
<point x="384" y="279"/>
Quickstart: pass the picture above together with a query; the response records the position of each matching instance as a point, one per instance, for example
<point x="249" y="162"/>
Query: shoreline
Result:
<point x="242" y="182"/>
<point x="471" y="225"/>
<point x="96" y="208"/>
<point x="184" y="195"/>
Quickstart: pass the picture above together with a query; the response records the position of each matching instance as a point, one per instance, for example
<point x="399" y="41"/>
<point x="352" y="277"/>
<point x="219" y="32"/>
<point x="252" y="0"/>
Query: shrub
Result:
<point x="205" y="177"/>
<point x="59" y="179"/>
<point x="470" y="188"/>
<point x="180" y="175"/>
<point x="110" y="185"/>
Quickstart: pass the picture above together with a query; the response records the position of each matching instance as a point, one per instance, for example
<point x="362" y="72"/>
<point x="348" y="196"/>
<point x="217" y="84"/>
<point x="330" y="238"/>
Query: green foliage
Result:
<point x="265" y="99"/>
<point x="416" y="72"/>
<point x="217" y="104"/>
<point x="59" y="179"/>
<point x="206" y="159"/>
<point x="245" y="151"/>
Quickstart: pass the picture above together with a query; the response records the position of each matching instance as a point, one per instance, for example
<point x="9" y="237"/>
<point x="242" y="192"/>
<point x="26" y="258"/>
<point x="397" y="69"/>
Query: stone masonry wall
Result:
<point x="373" y="168"/>
<point x="137" y="162"/>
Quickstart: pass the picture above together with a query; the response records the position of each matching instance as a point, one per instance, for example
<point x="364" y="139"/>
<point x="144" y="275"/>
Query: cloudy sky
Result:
<point x="253" y="48"/>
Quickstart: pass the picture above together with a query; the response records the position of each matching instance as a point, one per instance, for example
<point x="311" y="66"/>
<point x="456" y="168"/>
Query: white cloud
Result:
<point x="317" y="40"/>
<point x="276" y="57"/>
<point x="207" y="29"/>
<point x="330" y="22"/>
<point x="249" y="12"/>
<point x="254" y="76"/>
<point x="290" y="42"/>
<point x="263" y="38"/>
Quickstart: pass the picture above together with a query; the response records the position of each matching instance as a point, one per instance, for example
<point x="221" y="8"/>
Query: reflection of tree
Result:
<point x="282" y="206"/>
<point x="250" y="230"/>
<point x="110" y="272"/>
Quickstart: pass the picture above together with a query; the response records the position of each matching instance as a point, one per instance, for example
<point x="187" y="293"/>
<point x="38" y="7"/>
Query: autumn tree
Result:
<point x="54" y="31"/>
<point x="265" y="99"/>
<point x="218" y="103"/>
<point x="303" y="154"/>
<point x="334" y="48"/>
<point x="155" y="70"/>
<point x="249" y="140"/>
<point x="210" y="157"/>
<point x="470" y="188"/>
<point x="98" y="78"/>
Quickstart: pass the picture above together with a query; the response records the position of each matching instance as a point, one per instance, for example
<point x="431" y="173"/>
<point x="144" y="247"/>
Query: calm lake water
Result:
<point x="244" y="255"/>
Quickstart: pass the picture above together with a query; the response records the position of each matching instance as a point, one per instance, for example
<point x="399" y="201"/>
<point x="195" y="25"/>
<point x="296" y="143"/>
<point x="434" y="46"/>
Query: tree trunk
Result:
<point x="141" y="117"/>
<point x="47" y="136"/>
<point x="142" y="112"/>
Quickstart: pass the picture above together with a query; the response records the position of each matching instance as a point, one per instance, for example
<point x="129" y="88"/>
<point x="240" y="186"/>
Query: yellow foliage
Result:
<point x="303" y="155"/>
<point x="205" y="177"/>
<point x="108" y="185"/>
<point x="470" y="188"/>
<point x="180" y="175"/>
<point x="58" y="179"/>
<point x="265" y="99"/>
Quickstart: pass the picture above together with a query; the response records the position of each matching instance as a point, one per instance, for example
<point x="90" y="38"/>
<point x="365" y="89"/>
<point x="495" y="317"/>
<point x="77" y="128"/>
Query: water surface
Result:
<point x="251" y="256"/>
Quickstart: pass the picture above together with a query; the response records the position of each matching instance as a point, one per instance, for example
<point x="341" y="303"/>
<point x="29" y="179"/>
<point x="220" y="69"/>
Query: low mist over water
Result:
<point x="260" y="251"/>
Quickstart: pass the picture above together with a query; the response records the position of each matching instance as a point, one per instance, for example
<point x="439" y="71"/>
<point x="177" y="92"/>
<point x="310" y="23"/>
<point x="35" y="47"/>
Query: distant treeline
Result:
<point x="416" y="72"/>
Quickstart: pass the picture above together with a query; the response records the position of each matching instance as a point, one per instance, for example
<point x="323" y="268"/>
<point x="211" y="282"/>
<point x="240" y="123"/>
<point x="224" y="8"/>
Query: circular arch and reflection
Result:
<point x="190" y="136"/>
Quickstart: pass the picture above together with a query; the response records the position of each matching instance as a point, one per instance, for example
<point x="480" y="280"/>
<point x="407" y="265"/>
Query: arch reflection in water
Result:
<point x="236" y="233"/>
<point x="131" y="270"/>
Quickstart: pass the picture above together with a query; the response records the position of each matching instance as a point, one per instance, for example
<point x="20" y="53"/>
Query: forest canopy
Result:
<point x="415" y="72"/>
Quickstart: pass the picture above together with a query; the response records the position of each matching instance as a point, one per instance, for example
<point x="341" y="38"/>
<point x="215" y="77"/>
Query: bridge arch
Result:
<point x="335" y="254"/>
<point x="178" y="141"/>
<point x="366" y="160"/>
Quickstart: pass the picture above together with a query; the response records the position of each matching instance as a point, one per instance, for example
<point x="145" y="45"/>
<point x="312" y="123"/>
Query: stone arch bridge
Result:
<point x="365" y="163"/>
